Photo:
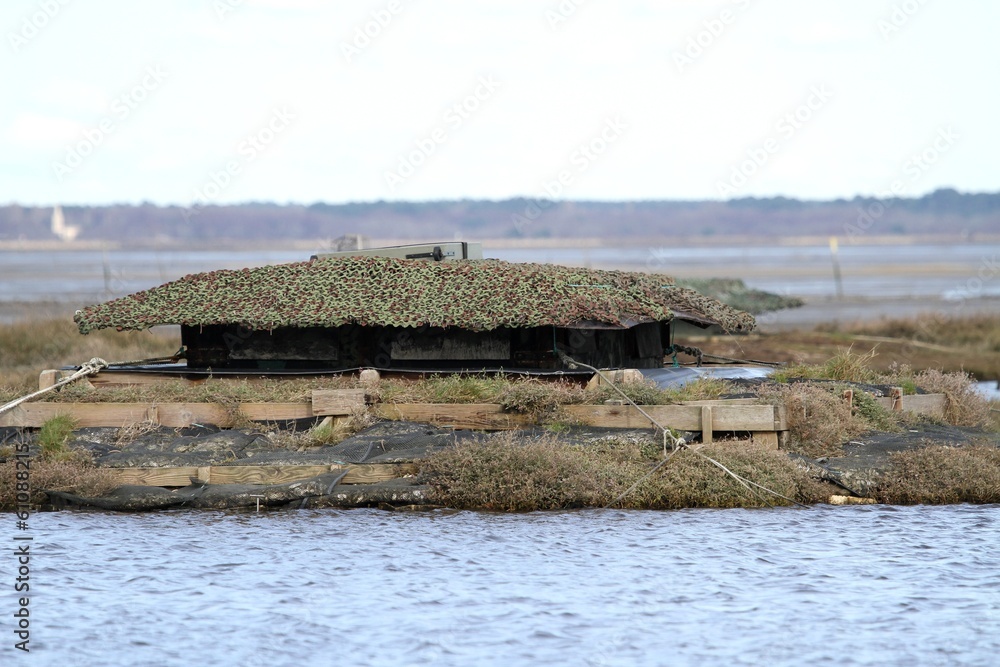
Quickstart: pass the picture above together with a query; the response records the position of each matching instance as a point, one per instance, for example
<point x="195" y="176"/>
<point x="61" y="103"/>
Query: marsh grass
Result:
<point x="26" y="348"/>
<point x="845" y="366"/>
<point x="964" y="405"/>
<point x="72" y="476"/>
<point x="53" y="437"/>
<point x="819" y="420"/>
<point x="516" y="474"/>
<point x="941" y="474"/>
<point x="980" y="331"/>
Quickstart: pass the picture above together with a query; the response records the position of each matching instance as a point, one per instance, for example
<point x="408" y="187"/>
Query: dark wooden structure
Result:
<point x="424" y="348"/>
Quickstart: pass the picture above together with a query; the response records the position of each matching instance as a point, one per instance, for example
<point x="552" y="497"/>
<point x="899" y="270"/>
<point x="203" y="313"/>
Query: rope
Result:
<point x="772" y="364"/>
<point x="92" y="367"/>
<point x="678" y="444"/>
<point x="573" y="363"/>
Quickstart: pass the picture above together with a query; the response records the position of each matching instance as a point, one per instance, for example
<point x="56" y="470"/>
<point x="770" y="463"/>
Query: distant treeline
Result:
<point x="941" y="212"/>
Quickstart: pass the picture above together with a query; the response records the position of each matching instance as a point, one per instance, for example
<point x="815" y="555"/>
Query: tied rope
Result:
<point x="92" y="367"/>
<point x="678" y="444"/>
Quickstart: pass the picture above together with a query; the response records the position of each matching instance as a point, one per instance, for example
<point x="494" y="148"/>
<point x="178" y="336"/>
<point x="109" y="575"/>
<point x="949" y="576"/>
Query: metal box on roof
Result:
<point x="438" y="252"/>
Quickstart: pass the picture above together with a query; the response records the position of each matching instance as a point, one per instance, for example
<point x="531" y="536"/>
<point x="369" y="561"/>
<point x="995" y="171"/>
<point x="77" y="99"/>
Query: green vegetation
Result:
<point x="54" y="436"/>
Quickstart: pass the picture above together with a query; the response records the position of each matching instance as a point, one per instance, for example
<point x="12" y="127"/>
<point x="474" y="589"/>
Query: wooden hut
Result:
<point x="389" y="313"/>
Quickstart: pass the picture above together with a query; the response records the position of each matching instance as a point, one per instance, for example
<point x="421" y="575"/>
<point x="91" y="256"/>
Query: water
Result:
<point x="906" y="271"/>
<point x="824" y="586"/>
<point x="990" y="389"/>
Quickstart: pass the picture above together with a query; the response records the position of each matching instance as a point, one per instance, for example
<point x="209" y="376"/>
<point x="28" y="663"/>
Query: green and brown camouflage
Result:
<point x="479" y="295"/>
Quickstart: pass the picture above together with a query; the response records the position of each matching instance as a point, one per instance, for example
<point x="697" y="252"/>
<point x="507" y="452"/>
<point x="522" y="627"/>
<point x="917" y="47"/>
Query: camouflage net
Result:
<point x="477" y="295"/>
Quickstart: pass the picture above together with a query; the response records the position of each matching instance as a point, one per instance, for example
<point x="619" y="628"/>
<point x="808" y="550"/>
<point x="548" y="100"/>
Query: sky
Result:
<point x="228" y="101"/>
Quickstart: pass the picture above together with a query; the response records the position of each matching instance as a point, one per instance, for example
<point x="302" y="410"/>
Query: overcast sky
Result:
<point x="303" y="101"/>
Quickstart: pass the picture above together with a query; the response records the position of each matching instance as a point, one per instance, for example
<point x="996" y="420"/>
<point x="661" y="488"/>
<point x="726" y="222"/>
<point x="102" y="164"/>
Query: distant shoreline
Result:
<point x="509" y="243"/>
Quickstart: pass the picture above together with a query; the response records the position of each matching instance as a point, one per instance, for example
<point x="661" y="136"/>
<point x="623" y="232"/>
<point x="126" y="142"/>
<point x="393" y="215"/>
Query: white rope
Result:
<point x="667" y="433"/>
<point x="92" y="367"/>
<point x="679" y="443"/>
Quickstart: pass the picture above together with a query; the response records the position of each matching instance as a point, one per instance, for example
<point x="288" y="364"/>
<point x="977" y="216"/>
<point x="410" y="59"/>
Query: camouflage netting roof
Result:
<point x="477" y="295"/>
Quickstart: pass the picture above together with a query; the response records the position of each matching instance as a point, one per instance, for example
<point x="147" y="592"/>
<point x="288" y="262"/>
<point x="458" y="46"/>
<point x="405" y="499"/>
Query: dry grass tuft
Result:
<point x="819" y="420"/>
<point x="71" y="476"/>
<point x="964" y="406"/>
<point x="938" y="475"/>
<point x="32" y="346"/>
<point x="508" y="473"/>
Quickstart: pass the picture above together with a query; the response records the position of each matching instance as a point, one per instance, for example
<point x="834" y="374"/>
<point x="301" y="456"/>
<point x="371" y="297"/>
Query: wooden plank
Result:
<point x="723" y="401"/>
<point x="766" y="439"/>
<point x="174" y="415"/>
<point x="932" y="405"/>
<point x="264" y="475"/>
<point x="180" y="476"/>
<point x="926" y="404"/>
<point x="483" y="416"/>
<point x="34" y="415"/>
<point x="706" y="424"/>
<point x="680" y="417"/>
<point x="337" y="402"/>
<point x="119" y="379"/>
<point x="370" y="473"/>
<point x="780" y="418"/>
<point x="267" y="412"/>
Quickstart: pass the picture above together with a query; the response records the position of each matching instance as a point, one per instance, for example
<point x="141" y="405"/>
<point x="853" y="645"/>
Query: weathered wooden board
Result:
<point x="33" y="415"/>
<point x="337" y="402"/>
<point x="182" y="475"/>
<point x="932" y="405"/>
<point x="680" y="417"/>
<point x="723" y="401"/>
<point x="174" y="415"/>
<point x="484" y="416"/>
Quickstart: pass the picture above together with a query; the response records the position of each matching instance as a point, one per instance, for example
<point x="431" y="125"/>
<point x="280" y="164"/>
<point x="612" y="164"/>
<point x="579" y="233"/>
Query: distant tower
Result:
<point x="65" y="232"/>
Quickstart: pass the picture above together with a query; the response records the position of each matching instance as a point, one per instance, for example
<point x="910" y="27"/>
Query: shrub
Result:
<point x="964" y="406"/>
<point x="510" y="474"/>
<point x="942" y="475"/>
<point x="71" y="476"/>
<point x="54" y="435"/>
<point x="819" y="421"/>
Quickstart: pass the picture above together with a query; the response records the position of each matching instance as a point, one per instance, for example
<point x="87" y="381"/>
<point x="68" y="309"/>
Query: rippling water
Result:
<point x="825" y="586"/>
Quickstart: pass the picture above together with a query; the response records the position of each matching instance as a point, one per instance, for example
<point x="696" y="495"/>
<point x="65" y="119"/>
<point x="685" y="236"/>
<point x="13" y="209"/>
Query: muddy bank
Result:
<point x="860" y="470"/>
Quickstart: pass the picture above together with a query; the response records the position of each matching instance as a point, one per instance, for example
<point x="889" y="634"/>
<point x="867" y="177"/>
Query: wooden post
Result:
<point x="897" y="399"/>
<point x="849" y="399"/>
<point x="706" y="424"/>
<point x="47" y="379"/>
